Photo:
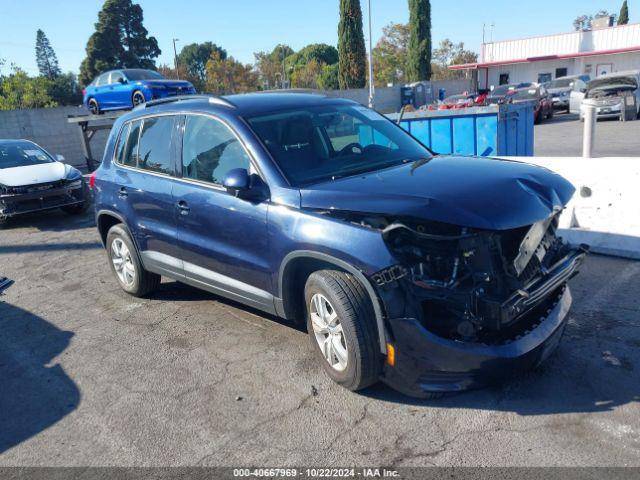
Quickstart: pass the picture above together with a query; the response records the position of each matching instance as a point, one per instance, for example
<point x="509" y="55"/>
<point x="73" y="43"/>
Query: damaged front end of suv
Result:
<point x="466" y="307"/>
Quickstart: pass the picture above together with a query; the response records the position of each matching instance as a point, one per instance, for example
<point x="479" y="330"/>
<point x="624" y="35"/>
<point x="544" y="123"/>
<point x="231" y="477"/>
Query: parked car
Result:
<point x="123" y="89"/>
<point x="33" y="180"/>
<point x="560" y="89"/>
<point x="433" y="273"/>
<point x="543" y="107"/>
<point x="463" y="100"/>
<point x="611" y="94"/>
<point x="501" y="94"/>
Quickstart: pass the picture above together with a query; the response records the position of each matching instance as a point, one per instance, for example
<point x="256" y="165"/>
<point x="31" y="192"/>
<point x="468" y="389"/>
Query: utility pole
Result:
<point x="372" y="91"/>
<point x="175" y="56"/>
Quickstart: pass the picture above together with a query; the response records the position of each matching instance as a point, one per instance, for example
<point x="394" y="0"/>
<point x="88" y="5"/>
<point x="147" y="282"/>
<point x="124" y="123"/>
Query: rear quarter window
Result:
<point x="130" y="154"/>
<point x="154" y="151"/>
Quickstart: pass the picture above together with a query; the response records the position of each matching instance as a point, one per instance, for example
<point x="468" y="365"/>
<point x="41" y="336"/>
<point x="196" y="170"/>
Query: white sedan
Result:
<point x="32" y="180"/>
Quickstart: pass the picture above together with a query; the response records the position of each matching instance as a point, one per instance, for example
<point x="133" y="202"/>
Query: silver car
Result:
<point x="613" y="96"/>
<point x="560" y="89"/>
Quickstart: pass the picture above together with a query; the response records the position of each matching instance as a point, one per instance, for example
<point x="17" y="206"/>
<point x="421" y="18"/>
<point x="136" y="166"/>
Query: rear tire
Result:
<point x="132" y="277"/>
<point x="94" y="107"/>
<point x="353" y="334"/>
<point x="4" y="221"/>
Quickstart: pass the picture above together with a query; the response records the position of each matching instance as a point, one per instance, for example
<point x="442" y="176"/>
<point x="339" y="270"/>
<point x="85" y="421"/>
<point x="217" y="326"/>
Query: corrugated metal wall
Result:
<point x="563" y="44"/>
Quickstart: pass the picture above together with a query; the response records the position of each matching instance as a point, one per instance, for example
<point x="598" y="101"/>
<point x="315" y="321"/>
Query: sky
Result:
<point x="243" y="27"/>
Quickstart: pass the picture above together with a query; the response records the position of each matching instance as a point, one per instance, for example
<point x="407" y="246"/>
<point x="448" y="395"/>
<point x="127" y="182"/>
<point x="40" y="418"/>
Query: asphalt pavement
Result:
<point x="90" y="376"/>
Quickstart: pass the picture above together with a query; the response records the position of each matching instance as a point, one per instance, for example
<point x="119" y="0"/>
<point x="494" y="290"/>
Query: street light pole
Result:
<point x="371" y="86"/>
<point x="175" y="56"/>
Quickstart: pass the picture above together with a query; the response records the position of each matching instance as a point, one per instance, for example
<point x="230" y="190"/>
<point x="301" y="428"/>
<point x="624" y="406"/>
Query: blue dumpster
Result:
<point x="496" y="130"/>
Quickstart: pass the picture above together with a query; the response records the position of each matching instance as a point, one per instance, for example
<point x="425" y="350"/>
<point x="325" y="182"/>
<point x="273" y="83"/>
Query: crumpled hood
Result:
<point x="33" y="174"/>
<point x="475" y="192"/>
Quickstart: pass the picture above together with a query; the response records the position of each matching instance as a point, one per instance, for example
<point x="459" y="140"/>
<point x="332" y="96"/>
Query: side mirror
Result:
<point x="237" y="181"/>
<point x="59" y="158"/>
<point x="122" y="80"/>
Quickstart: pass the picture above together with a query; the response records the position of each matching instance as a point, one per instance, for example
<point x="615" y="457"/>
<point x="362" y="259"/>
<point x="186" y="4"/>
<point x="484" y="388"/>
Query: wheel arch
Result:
<point x="296" y="268"/>
<point x="105" y="219"/>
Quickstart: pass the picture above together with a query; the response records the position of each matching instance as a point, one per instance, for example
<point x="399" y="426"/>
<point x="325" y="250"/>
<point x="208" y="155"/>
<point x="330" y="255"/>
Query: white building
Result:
<point x="539" y="59"/>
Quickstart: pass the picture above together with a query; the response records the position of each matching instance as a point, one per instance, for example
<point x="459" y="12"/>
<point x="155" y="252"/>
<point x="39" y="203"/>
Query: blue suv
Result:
<point x="432" y="273"/>
<point x="124" y="89"/>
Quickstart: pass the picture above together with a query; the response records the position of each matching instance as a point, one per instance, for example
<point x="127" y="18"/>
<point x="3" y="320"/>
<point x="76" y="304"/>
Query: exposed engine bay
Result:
<point x="474" y="285"/>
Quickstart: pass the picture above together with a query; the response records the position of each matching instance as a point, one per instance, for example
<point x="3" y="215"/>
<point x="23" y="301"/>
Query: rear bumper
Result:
<point x="425" y="362"/>
<point x="18" y="204"/>
<point x="560" y="103"/>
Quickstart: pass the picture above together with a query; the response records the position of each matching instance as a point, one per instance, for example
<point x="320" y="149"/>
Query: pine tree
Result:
<point x="120" y="41"/>
<point x="351" y="50"/>
<point x="623" y="18"/>
<point x="419" y="54"/>
<point x="46" y="57"/>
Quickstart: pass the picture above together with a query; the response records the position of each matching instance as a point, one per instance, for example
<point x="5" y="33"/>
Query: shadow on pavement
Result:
<point x="48" y="247"/>
<point x="35" y="394"/>
<point x="52" y="221"/>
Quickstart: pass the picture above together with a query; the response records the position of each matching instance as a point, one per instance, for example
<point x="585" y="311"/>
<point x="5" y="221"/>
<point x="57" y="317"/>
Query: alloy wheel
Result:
<point x="138" y="99"/>
<point x="122" y="262"/>
<point x="328" y="332"/>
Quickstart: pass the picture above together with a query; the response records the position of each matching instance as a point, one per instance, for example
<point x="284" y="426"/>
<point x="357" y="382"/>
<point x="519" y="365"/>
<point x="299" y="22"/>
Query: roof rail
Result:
<point x="211" y="98"/>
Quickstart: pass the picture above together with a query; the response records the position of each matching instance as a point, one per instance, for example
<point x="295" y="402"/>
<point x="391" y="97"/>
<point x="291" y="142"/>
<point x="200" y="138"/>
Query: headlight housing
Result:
<point x="74" y="178"/>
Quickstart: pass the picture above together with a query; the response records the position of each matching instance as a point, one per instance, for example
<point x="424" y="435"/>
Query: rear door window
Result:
<point x="154" y="151"/>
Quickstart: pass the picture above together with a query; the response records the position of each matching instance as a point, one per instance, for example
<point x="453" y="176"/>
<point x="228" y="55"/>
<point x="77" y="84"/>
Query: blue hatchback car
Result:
<point x="127" y="88"/>
<point x="432" y="273"/>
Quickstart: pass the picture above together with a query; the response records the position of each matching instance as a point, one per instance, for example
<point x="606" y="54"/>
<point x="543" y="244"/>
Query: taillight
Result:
<point x="92" y="180"/>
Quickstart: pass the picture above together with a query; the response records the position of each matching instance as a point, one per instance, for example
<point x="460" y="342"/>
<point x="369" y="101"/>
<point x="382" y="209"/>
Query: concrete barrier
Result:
<point x="605" y="210"/>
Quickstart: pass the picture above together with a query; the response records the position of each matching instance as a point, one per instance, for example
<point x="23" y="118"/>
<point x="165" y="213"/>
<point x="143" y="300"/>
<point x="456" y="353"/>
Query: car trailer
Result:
<point x="89" y="125"/>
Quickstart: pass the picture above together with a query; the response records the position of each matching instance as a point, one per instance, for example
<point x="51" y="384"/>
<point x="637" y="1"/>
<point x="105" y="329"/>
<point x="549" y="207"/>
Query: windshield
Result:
<point x="315" y="144"/>
<point x="525" y="94"/>
<point x="22" y="154"/>
<point x="138" y="74"/>
<point x="561" y="83"/>
<point x="502" y="90"/>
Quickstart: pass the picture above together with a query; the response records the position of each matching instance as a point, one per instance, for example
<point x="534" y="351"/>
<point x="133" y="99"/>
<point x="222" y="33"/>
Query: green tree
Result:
<point x="449" y="53"/>
<point x="64" y="89"/>
<point x="194" y="57"/>
<point x="623" y="18"/>
<point x="320" y="52"/>
<point x="120" y="41"/>
<point x="352" y="63"/>
<point x="19" y="91"/>
<point x="227" y="75"/>
<point x="328" y="78"/>
<point x="390" y="55"/>
<point x="419" y="54"/>
<point x="46" y="57"/>
<point x="271" y="66"/>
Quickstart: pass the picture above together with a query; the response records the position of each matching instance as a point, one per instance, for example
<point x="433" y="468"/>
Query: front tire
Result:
<point x="138" y="98"/>
<point x="342" y="329"/>
<point x="126" y="265"/>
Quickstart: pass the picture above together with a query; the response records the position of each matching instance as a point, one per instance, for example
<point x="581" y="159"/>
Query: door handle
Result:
<point x="122" y="193"/>
<point x="183" y="207"/>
